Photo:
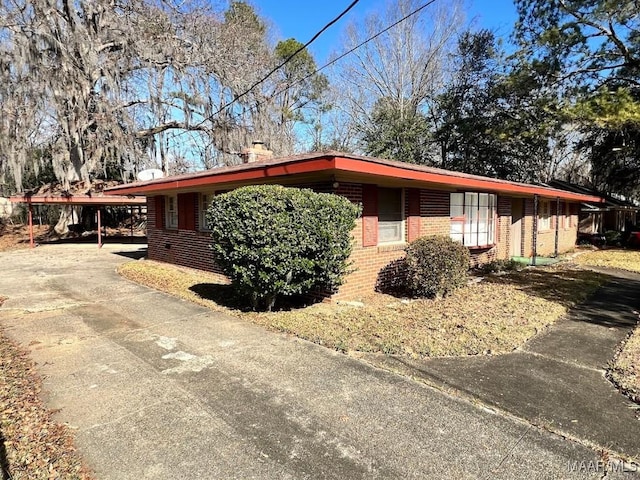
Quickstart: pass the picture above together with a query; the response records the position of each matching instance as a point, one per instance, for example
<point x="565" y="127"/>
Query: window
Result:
<point x="172" y="211"/>
<point x="544" y="215"/>
<point x="390" y="215"/>
<point x="473" y="218"/>
<point x="205" y="201"/>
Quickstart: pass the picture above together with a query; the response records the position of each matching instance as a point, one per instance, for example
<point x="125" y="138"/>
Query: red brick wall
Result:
<point x="545" y="245"/>
<point x="191" y="248"/>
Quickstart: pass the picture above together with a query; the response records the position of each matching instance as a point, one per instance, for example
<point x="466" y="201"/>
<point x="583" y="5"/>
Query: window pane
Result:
<point x="457" y="211"/>
<point x="457" y="227"/>
<point x="389" y="232"/>
<point x="390" y="202"/>
<point x="483" y="238"/>
<point x="457" y="199"/>
<point x="470" y="200"/>
<point x="484" y="199"/>
<point x="390" y="226"/>
<point x="456" y="237"/>
<point x="471" y="239"/>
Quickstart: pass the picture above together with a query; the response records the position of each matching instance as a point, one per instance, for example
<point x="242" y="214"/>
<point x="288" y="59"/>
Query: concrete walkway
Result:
<point x="557" y="380"/>
<point x="155" y="387"/>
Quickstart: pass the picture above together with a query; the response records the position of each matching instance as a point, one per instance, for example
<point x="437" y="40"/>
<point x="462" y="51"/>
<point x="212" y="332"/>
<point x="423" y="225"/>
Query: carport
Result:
<point x="77" y="201"/>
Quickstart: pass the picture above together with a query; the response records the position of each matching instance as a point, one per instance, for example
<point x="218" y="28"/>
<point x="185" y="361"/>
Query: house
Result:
<point x="611" y="213"/>
<point x="495" y="219"/>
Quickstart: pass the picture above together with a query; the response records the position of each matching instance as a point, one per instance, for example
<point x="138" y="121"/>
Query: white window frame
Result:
<point x="400" y="224"/>
<point x="544" y="215"/>
<point x="473" y="218"/>
<point x="171" y="212"/>
<point x="204" y="200"/>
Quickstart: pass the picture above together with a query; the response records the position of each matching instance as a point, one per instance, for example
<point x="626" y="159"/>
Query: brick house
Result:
<point x="495" y="219"/>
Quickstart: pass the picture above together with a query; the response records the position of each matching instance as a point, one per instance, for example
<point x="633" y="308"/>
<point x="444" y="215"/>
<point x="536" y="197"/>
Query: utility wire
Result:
<point x="348" y="52"/>
<point x="318" y="70"/>
<point x="278" y="67"/>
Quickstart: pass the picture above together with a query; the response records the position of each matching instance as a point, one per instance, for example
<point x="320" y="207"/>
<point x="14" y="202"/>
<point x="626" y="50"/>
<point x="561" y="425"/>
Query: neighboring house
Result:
<point x="610" y="213"/>
<point x="495" y="219"/>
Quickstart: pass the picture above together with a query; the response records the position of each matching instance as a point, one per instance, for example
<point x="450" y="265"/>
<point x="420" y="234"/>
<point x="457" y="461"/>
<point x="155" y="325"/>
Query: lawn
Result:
<point x="496" y="315"/>
<point x="32" y="444"/>
<point x="625" y="369"/>
<point x="622" y="259"/>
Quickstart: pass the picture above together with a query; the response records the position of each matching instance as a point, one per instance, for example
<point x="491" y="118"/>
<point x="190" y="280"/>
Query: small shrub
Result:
<point x="436" y="266"/>
<point x="273" y="241"/>
<point x="613" y="237"/>
<point x="498" y="266"/>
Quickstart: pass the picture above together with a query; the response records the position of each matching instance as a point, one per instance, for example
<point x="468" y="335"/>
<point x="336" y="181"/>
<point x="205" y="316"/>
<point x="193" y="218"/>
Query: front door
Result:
<point x="516" y="227"/>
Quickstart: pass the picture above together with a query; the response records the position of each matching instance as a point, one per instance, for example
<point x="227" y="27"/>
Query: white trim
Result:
<point x="202" y="212"/>
<point x="171" y="214"/>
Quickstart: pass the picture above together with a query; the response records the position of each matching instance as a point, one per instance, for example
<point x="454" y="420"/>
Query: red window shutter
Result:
<point x="187" y="211"/>
<point x="159" y="212"/>
<point x="414" y="220"/>
<point x="369" y="215"/>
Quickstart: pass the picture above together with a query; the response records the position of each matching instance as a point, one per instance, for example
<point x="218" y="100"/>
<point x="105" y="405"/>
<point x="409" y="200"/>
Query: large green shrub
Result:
<point x="435" y="266"/>
<point x="273" y="241"/>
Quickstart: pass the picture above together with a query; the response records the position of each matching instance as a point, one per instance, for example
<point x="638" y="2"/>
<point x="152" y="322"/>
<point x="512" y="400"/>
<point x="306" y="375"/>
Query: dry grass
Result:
<point x="625" y="372"/>
<point x="622" y="259"/>
<point x="625" y="369"/>
<point x="493" y="316"/>
<point x="13" y="237"/>
<point x="32" y="444"/>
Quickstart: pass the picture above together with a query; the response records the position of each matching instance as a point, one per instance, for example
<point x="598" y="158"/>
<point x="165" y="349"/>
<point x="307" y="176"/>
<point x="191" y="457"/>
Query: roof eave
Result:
<point x="78" y="200"/>
<point x="352" y="164"/>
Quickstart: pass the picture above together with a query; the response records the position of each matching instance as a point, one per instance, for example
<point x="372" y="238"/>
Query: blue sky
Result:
<point x="302" y="20"/>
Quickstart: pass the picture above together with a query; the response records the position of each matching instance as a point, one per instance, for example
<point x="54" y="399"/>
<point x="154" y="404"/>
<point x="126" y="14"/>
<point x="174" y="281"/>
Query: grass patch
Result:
<point x="618" y="258"/>
<point x="493" y="316"/>
<point x="625" y="369"/>
<point x="32" y="444"/>
<point x="625" y="372"/>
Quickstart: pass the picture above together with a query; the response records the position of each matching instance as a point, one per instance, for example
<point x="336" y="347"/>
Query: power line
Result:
<point x="341" y="56"/>
<point x="318" y="70"/>
<point x="349" y="52"/>
<point x="278" y="67"/>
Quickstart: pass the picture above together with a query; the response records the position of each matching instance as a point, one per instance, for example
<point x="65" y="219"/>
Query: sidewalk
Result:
<point x="556" y="381"/>
<point x="158" y="388"/>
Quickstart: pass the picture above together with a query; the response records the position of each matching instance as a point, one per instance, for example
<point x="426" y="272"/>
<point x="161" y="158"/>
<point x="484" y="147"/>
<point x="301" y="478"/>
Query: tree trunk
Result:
<point x="66" y="216"/>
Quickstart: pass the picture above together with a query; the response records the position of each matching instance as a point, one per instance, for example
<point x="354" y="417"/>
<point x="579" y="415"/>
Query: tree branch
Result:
<point x="173" y="125"/>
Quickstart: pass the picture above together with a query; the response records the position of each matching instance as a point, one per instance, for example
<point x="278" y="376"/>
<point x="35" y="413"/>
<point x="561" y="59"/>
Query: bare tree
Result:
<point x="403" y="68"/>
<point x="114" y="86"/>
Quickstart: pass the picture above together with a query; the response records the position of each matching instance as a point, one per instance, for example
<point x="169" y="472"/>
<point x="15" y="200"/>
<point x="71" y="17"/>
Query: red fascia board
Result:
<point x="245" y="175"/>
<point x="361" y="166"/>
<point x="458" y="181"/>
<point x="76" y="200"/>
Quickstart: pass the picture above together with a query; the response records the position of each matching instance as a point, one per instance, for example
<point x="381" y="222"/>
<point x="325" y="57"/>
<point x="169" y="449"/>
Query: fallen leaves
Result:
<point x="625" y="368"/>
<point x="32" y="444"/>
<point x="613" y="258"/>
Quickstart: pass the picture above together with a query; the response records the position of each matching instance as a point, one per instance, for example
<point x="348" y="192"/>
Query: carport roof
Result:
<point x="336" y="164"/>
<point x="79" y="200"/>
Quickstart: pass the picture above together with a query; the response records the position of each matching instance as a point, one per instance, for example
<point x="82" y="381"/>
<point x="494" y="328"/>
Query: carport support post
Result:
<point x="31" y="242"/>
<point x="99" y="229"/>
<point x="557" y="226"/>
<point x="535" y="231"/>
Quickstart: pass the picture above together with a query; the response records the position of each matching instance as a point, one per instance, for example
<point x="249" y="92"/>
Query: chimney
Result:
<point x="256" y="153"/>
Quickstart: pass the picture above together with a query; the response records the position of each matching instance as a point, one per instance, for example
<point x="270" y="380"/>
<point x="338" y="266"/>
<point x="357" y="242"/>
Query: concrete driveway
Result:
<point x="155" y="387"/>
